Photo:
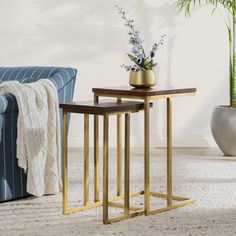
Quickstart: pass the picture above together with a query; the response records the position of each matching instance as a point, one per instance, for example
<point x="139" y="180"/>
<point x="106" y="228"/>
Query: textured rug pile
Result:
<point x="202" y="174"/>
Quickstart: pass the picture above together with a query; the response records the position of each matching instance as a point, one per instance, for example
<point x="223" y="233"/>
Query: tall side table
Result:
<point x="148" y="95"/>
<point x="104" y="109"/>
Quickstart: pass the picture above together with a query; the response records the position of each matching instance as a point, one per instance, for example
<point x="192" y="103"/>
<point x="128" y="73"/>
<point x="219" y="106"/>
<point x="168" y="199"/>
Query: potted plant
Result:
<point x="141" y="72"/>
<point x="223" y="122"/>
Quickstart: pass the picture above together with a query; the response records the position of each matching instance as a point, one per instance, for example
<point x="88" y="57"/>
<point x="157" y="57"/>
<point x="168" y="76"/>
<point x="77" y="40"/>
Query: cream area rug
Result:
<point x="202" y="174"/>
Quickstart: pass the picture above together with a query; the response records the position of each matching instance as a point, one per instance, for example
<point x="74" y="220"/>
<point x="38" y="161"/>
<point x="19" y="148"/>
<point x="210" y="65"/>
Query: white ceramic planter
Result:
<point x="223" y="127"/>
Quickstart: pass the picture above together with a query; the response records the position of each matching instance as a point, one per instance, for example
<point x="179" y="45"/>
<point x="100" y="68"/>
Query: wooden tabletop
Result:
<point x="104" y="106"/>
<point x="130" y="91"/>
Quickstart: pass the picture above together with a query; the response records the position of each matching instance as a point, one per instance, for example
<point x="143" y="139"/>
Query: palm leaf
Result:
<point x="186" y="5"/>
<point x="230" y="6"/>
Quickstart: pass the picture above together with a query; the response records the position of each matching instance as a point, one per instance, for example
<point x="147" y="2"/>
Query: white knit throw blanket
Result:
<point x="38" y="134"/>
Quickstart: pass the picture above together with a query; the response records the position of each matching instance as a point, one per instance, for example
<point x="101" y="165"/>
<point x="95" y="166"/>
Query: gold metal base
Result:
<point x="135" y="211"/>
<point x="182" y="201"/>
<point x="129" y="211"/>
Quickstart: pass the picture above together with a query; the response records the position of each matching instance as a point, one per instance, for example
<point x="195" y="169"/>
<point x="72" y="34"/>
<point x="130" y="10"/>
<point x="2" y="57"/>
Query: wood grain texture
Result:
<point x="127" y="90"/>
<point x="104" y="106"/>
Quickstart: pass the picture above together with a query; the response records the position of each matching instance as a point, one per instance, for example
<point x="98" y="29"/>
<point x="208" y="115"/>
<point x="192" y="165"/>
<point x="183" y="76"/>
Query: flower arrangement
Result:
<point x="142" y="61"/>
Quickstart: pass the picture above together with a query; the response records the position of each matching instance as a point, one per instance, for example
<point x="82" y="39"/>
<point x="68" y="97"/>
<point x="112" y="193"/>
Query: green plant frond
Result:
<point x="230" y="8"/>
<point x="186" y="5"/>
<point x="132" y="58"/>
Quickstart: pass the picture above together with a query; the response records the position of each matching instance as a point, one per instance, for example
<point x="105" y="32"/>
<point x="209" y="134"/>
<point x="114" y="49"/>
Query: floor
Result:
<point x="200" y="173"/>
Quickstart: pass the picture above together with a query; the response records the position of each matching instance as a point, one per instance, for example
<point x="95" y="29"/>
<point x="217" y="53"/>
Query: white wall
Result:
<point x="90" y="36"/>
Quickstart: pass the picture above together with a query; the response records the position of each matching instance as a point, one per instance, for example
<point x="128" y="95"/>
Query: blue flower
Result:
<point x="139" y="60"/>
<point x="135" y="68"/>
<point x="136" y="33"/>
<point x="154" y="47"/>
<point x="152" y="54"/>
<point x="141" y="55"/>
<point x="135" y="51"/>
<point x="138" y="51"/>
<point x="128" y="68"/>
<point x="135" y="41"/>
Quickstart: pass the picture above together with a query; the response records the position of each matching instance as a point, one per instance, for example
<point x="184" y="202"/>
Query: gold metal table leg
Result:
<point x="105" y="168"/>
<point x="96" y="158"/>
<point x="65" y="161"/>
<point x="119" y="152"/>
<point x="146" y="158"/>
<point x="86" y="159"/>
<point x="169" y="151"/>
<point x="127" y="164"/>
<point x="96" y="154"/>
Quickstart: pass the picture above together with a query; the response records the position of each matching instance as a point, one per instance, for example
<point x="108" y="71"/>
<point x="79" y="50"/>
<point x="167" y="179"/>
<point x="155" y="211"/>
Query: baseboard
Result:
<point x="154" y="142"/>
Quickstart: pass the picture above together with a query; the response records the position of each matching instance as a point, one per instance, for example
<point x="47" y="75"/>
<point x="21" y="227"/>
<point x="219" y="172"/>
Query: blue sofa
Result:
<point x="13" y="178"/>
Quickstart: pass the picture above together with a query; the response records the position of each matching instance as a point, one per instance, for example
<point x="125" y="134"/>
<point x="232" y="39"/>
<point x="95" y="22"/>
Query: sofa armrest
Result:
<point x="60" y="77"/>
<point x="8" y="103"/>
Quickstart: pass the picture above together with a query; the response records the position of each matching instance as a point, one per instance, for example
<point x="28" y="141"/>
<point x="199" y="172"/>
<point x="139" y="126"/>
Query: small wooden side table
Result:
<point x="106" y="109"/>
<point x="148" y="95"/>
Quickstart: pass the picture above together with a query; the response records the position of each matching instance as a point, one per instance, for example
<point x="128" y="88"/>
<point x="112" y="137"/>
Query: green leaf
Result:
<point x="147" y="64"/>
<point x="154" y="65"/>
<point x="146" y="61"/>
<point x="132" y="58"/>
<point x="186" y="4"/>
<point x="230" y="7"/>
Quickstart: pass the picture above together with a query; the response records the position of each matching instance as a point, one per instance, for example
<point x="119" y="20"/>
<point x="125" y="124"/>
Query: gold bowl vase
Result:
<point x="142" y="79"/>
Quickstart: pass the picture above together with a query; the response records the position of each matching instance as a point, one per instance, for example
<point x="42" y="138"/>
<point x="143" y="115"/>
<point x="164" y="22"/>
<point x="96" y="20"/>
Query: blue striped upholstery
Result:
<point x="12" y="178"/>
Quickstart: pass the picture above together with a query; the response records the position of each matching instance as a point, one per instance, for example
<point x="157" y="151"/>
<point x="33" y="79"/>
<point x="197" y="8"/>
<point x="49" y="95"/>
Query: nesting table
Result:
<point x="105" y="109"/>
<point x="147" y="95"/>
<point x="119" y="106"/>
